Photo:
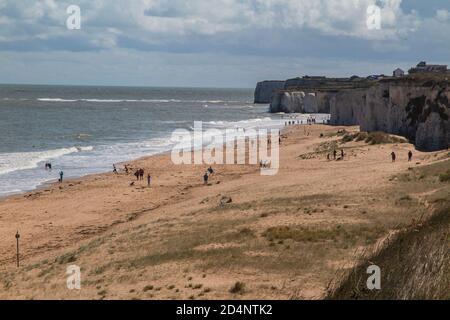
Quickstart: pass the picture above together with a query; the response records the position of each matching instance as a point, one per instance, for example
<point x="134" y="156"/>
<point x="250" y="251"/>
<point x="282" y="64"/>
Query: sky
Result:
<point x="215" y="43"/>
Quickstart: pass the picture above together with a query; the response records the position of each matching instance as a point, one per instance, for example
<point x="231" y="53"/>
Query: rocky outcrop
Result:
<point x="294" y="102"/>
<point x="417" y="111"/>
<point x="287" y="102"/>
<point x="420" y="113"/>
<point x="346" y="107"/>
<point x="266" y="89"/>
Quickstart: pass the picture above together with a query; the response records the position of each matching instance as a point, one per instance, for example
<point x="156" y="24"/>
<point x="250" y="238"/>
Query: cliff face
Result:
<point x="265" y="90"/>
<point x="288" y="102"/>
<point x="346" y="107"/>
<point x="419" y="112"/>
<point x="294" y="102"/>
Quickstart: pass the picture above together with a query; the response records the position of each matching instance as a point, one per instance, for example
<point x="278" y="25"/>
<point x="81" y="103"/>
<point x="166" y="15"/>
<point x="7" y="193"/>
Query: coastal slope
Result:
<point x="243" y="236"/>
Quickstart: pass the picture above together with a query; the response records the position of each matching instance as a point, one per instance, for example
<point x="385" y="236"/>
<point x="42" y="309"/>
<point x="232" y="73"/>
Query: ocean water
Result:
<point x="84" y="130"/>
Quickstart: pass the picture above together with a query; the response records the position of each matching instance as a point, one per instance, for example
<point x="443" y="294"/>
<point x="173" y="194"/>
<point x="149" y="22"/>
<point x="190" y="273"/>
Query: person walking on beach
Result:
<point x="410" y="155"/>
<point x="149" y="180"/>
<point x="205" y="178"/>
<point x="61" y="174"/>
<point x="210" y="170"/>
<point x="393" y="156"/>
<point x="114" y="169"/>
<point x="136" y="174"/>
<point x="141" y="174"/>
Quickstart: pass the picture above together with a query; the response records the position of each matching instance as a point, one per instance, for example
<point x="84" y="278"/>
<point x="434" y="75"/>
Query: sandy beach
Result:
<point x="282" y="236"/>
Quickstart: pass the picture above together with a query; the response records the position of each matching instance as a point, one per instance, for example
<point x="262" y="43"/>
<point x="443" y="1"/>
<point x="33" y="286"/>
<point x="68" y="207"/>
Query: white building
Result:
<point x="398" y="73"/>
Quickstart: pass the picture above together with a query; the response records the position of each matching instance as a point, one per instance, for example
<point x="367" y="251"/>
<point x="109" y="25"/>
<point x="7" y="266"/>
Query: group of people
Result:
<point x="394" y="156"/>
<point x="335" y="155"/>
<point x="48" y="166"/>
<point x="139" y="174"/>
<point x="208" y="172"/>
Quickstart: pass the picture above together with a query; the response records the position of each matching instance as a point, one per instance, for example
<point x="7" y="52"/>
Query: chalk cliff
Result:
<point x="419" y="111"/>
<point x="300" y="102"/>
<point x="265" y="90"/>
<point x="346" y="107"/>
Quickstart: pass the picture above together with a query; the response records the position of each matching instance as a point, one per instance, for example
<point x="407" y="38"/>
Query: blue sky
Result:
<point x="217" y="43"/>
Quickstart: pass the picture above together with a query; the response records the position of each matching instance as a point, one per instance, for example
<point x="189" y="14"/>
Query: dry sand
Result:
<point x="174" y="240"/>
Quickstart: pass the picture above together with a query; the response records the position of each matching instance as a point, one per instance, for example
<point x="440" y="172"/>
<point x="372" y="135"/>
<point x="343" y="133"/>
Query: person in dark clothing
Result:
<point x="141" y="174"/>
<point x="61" y="174"/>
<point x="205" y="178"/>
<point x="342" y="154"/>
<point x="393" y="156"/>
<point x="149" y="180"/>
<point x="335" y="154"/>
<point x="410" y="155"/>
<point x="210" y="170"/>
<point x="136" y="174"/>
<point x="114" y="169"/>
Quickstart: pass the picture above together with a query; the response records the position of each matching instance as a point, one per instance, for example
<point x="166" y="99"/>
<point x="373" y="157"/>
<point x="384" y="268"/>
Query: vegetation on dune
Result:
<point x="414" y="264"/>
<point x="373" y="138"/>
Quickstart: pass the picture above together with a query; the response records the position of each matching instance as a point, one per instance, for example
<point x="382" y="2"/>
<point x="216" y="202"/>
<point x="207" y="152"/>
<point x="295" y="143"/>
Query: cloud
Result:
<point x="159" y="21"/>
<point x="319" y="36"/>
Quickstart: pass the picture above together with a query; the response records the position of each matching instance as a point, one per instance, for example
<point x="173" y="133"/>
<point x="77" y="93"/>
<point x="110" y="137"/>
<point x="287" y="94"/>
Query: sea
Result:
<point x="83" y="130"/>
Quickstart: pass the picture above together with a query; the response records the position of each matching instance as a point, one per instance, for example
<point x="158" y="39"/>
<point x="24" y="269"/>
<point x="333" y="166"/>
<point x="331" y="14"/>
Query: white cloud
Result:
<point x="208" y="17"/>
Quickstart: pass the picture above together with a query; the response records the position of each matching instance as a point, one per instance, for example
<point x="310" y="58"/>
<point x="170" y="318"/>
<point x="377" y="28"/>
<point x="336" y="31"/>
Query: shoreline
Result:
<point x="48" y="183"/>
<point x="105" y="221"/>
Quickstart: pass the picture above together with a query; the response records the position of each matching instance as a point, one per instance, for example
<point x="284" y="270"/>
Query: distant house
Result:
<point x="398" y="73"/>
<point x="375" y="77"/>
<point x="423" y="67"/>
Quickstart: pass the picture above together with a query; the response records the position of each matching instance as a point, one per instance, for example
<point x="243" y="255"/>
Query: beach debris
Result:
<point x="225" y="200"/>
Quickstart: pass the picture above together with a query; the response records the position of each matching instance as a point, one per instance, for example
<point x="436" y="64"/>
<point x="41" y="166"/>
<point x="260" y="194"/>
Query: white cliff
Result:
<point x="417" y="111"/>
<point x="294" y="102"/>
<point x="265" y="90"/>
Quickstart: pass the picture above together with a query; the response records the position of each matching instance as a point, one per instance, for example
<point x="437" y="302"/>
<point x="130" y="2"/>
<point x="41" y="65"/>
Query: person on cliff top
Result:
<point x="394" y="156"/>
<point x="410" y="155"/>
